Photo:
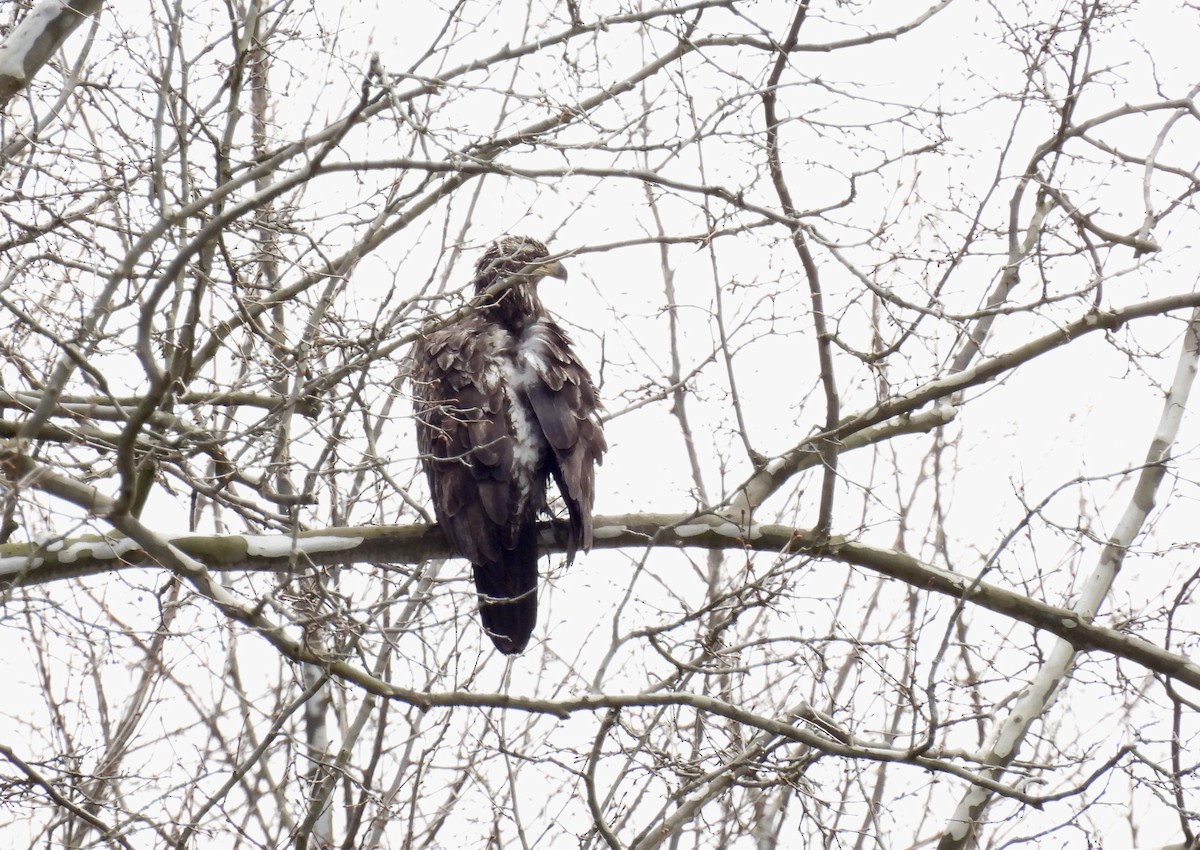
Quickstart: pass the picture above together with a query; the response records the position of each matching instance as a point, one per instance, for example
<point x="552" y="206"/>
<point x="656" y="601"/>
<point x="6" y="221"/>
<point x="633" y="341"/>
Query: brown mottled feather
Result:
<point x="479" y="383"/>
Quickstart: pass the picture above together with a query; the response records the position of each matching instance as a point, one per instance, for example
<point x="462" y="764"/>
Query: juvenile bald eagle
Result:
<point x="503" y="405"/>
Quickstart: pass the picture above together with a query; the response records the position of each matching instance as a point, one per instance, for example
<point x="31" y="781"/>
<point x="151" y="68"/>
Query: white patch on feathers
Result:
<point x="519" y="373"/>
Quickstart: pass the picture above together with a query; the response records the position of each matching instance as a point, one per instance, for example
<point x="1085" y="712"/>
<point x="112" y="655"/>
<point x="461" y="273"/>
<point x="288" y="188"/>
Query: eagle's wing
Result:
<point x="464" y="435"/>
<point x="464" y="440"/>
<point x="564" y="400"/>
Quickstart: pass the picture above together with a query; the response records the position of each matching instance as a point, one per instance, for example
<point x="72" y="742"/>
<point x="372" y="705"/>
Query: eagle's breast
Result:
<point x="516" y="363"/>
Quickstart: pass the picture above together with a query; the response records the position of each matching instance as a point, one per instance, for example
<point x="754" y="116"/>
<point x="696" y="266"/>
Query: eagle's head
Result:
<point x="513" y="255"/>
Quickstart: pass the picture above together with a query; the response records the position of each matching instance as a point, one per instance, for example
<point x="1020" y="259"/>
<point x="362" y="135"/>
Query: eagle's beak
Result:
<point x="554" y="269"/>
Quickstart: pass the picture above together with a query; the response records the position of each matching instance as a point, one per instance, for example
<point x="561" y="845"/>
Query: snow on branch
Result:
<point x="30" y="45"/>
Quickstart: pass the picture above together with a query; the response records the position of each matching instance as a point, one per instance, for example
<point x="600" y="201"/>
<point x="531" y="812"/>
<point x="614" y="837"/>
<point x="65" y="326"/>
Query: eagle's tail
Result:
<point x="508" y="593"/>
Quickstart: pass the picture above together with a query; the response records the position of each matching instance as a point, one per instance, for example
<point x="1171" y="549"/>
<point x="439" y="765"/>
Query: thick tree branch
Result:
<point x="27" y="564"/>
<point x="1010" y="731"/>
<point x="36" y="38"/>
<point x="766" y="481"/>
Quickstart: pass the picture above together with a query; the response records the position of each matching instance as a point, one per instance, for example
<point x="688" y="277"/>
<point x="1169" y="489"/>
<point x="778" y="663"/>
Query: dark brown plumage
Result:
<point x="503" y="405"/>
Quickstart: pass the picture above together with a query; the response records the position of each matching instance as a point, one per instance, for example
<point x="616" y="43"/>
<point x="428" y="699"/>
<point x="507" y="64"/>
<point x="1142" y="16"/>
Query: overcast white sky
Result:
<point x="1083" y="411"/>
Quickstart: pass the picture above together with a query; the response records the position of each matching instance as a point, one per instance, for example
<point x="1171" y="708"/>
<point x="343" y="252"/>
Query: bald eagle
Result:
<point x="503" y="405"/>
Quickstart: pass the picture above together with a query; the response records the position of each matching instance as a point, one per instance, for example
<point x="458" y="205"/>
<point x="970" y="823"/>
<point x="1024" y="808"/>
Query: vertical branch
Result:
<point x="1010" y="732"/>
<point x="675" y="377"/>
<point x="826" y="449"/>
<point x="267" y="263"/>
<point x="318" y="824"/>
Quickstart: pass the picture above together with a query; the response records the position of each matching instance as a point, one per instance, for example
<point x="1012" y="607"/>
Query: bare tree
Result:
<point x="893" y="309"/>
